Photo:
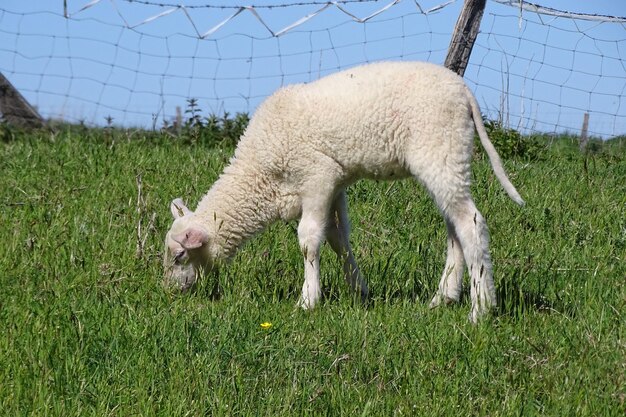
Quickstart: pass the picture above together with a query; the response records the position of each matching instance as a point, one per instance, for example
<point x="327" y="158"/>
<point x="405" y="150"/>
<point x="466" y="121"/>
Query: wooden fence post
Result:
<point x="584" y="135"/>
<point x="15" y="109"/>
<point x="464" y="35"/>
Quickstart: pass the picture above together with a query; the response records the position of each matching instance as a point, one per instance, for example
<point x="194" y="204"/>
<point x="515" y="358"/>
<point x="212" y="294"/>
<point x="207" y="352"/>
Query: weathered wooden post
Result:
<point x="15" y="109"/>
<point x="584" y="135"/>
<point x="464" y="35"/>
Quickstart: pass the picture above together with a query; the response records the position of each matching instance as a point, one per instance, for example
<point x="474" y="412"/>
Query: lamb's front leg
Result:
<point x="311" y="231"/>
<point x="338" y="236"/>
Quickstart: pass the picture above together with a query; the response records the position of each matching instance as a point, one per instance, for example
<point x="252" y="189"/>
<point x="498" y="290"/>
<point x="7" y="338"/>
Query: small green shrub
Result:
<point x="212" y="131"/>
<point x="512" y="144"/>
<point x="224" y="131"/>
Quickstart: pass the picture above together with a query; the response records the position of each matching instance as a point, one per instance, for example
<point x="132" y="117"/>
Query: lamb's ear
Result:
<point x="192" y="238"/>
<point x="179" y="209"/>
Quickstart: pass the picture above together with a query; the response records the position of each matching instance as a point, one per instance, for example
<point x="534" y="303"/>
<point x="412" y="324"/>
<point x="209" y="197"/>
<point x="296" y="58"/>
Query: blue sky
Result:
<point x="543" y="75"/>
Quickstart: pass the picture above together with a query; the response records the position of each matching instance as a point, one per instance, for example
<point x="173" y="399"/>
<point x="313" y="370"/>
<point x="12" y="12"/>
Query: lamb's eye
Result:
<point x="178" y="256"/>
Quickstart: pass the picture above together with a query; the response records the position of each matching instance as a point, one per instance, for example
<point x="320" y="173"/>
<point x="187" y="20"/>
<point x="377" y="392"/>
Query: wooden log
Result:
<point x="15" y="109"/>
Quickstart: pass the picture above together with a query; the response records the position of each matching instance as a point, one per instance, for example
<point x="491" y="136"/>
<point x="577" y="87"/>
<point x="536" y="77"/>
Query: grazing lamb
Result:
<point x="308" y="142"/>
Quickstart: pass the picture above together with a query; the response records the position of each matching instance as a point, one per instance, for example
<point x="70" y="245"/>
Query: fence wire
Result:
<point x="133" y="62"/>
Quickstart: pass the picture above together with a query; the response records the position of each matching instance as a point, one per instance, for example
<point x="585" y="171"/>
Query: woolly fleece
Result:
<point x="308" y="142"/>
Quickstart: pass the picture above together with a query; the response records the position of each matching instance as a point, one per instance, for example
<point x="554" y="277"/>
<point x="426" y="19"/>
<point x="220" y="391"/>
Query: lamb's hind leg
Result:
<point x="451" y="283"/>
<point x="311" y="234"/>
<point x="449" y="186"/>
<point x="471" y="230"/>
<point x="338" y="236"/>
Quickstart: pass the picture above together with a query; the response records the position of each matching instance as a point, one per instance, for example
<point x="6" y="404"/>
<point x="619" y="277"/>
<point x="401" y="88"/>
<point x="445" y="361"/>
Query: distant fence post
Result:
<point x="15" y="109"/>
<point x="464" y="35"/>
<point x="584" y="135"/>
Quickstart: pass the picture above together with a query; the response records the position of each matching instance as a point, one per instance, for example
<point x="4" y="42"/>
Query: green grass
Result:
<point x="87" y="328"/>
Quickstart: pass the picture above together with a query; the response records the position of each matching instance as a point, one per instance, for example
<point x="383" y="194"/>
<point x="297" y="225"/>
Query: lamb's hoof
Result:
<point x="479" y="313"/>
<point x="365" y="296"/>
<point x="440" y="299"/>
<point x="305" y="304"/>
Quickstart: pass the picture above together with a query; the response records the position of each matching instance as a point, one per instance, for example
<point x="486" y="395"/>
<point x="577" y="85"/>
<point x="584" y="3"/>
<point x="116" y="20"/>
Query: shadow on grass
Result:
<point x="515" y="299"/>
<point x="516" y="296"/>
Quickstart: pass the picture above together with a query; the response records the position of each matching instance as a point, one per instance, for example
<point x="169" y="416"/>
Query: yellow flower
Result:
<point x="266" y="325"/>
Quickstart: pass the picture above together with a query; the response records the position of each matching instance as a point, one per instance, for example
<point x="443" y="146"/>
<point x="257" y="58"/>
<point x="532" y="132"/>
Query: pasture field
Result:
<point x="88" y="330"/>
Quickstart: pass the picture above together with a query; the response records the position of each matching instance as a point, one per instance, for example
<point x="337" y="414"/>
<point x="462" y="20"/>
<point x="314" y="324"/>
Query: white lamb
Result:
<point x="308" y="142"/>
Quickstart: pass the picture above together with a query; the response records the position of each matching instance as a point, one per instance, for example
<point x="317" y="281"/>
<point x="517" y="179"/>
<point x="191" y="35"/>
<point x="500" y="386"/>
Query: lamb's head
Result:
<point x="186" y="248"/>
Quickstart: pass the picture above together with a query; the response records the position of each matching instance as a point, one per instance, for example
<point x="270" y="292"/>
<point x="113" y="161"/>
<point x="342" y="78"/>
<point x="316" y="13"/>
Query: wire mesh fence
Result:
<point x="133" y="63"/>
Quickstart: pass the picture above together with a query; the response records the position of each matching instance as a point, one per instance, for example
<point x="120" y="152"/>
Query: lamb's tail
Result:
<point x="494" y="158"/>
